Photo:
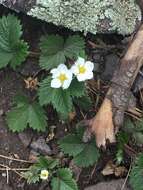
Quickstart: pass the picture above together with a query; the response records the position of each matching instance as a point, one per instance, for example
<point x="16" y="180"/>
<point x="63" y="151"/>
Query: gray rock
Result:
<point x="93" y="16"/>
<point x="26" y="138"/>
<point x="41" y="147"/>
<point x="111" y="185"/>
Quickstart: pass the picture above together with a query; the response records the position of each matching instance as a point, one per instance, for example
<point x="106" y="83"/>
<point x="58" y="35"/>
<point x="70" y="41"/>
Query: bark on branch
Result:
<point x="111" y="113"/>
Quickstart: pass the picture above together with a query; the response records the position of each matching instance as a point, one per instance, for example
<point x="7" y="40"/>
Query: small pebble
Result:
<point x="41" y="147"/>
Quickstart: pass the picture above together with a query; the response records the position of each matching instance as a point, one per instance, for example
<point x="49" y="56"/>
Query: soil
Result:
<point x="12" y="82"/>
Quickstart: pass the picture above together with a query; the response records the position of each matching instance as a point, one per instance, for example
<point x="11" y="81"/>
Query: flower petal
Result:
<point x="66" y="84"/>
<point x="89" y="65"/>
<point x="80" y="61"/>
<point x="89" y="75"/>
<point x="55" y="83"/>
<point x="53" y="71"/>
<point x="74" y="69"/>
<point x="69" y="74"/>
<point x="62" y="67"/>
<point x="81" y="77"/>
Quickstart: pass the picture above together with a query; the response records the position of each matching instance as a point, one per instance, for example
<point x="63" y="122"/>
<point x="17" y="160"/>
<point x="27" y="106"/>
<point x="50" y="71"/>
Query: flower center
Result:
<point x="62" y="78"/>
<point x="44" y="175"/>
<point x="82" y="70"/>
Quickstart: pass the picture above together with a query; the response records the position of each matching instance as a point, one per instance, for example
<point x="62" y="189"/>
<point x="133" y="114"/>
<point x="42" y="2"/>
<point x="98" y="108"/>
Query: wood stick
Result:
<point x="111" y="113"/>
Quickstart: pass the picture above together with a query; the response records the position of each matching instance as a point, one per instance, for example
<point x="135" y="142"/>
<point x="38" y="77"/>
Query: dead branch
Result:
<point x="111" y="113"/>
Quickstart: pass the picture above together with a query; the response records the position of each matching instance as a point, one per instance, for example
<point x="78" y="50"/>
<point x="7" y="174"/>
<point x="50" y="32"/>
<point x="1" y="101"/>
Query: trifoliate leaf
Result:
<point x="32" y="175"/>
<point x="59" y="98"/>
<point x="13" y="50"/>
<point x="82" y="151"/>
<point x="54" y="50"/>
<point x="25" y="114"/>
<point x="64" y="180"/>
<point x="136" y="175"/>
<point x="43" y="163"/>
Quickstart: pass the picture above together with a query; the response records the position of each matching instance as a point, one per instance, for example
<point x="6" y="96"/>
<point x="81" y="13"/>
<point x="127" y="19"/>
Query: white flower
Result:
<point x="44" y="174"/>
<point x="83" y="69"/>
<point x="61" y="77"/>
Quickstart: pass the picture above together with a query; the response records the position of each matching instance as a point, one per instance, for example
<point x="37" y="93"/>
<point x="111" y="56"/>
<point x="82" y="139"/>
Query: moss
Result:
<point x="90" y="15"/>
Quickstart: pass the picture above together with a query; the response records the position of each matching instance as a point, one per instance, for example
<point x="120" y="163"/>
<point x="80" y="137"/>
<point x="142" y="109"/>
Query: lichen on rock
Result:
<point x="93" y="16"/>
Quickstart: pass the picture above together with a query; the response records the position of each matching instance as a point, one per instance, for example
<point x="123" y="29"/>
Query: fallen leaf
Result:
<point x="112" y="169"/>
<point x="31" y="83"/>
<point x="72" y="116"/>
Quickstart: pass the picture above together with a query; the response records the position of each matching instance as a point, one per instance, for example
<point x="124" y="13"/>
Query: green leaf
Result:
<point x="17" y="118"/>
<point x="37" y="117"/>
<point x="139" y="126"/>
<point x="32" y="176"/>
<point x="20" y="52"/>
<point x="61" y="101"/>
<point x="54" y="50"/>
<point x="64" y="180"/>
<point x="13" y="50"/>
<point x="136" y="175"/>
<point x="122" y="139"/>
<point x="26" y="113"/>
<point x="45" y="92"/>
<point x="135" y="130"/>
<point x="77" y="89"/>
<point x="83" y="102"/>
<point x="74" y="46"/>
<point x="59" y="98"/>
<point x="83" y="159"/>
<point x="47" y="163"/>
<point x="82" y="151"/>
<point x="129" y="126"/>
<point x="43" y="163"/>
<point x="52" y="53"/>
<point x="68" y="144"/>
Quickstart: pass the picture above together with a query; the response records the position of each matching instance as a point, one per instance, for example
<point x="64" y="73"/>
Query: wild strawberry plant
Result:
<point x="63" y="86"/>
<point x="136" y="174"/>
<point x="25" y="114"/>
<point x="49" y="170"/>
<point x="66" y="81"/>
<point x="55" y="50"/>
<point x="81" y="153"/>
<point x="13" y="50"/>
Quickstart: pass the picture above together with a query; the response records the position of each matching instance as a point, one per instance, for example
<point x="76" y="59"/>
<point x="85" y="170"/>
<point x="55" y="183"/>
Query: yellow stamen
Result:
<point x="62" y="78"/>
<point x="82" y="69"/>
